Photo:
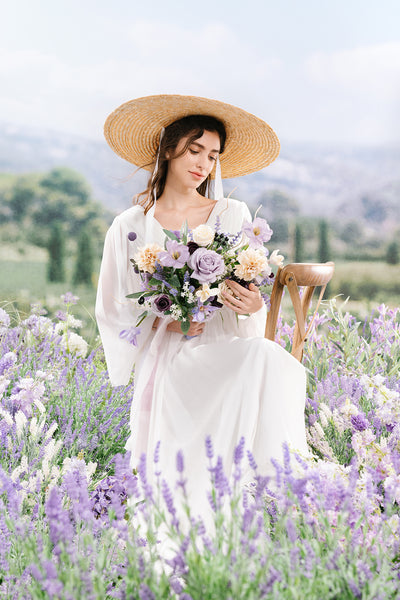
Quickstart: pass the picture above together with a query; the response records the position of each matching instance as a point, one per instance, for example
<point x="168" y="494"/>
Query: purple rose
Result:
<point x="162" y="303"/>
<point x="207" y="265"/>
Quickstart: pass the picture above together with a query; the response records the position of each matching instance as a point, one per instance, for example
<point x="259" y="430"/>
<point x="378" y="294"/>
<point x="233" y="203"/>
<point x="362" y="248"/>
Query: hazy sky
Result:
<point x="315" y="70"/>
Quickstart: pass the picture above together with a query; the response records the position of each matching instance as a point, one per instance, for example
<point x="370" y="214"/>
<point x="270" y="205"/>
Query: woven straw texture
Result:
<point x="133" y="131"/>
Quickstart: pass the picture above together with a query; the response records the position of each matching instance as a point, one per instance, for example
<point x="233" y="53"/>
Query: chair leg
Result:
<point x="272" y="317"/>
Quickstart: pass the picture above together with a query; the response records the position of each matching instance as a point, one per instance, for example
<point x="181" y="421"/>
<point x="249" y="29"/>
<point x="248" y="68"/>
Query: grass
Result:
<point x="23" y="281"/>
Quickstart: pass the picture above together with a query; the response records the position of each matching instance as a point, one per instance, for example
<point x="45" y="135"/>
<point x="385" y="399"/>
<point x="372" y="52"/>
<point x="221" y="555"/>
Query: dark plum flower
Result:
<point x="162" y="303"/>
<point x="132" y="236"/>
<point x="192" y="246"/>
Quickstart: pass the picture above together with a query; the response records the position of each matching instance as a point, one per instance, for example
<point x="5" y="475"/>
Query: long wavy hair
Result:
<point x="191" y="127"/>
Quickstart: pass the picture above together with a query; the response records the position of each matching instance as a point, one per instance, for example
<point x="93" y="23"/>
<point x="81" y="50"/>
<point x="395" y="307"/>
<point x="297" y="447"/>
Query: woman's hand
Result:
<point x="175" y="326"/>
<point x="243" y="301"/>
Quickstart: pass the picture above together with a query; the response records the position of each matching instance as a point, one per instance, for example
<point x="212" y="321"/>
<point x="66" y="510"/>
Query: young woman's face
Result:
<point x="194" y="166"/>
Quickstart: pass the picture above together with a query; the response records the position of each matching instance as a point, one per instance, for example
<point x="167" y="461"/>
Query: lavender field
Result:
<point x="327" y="527"/>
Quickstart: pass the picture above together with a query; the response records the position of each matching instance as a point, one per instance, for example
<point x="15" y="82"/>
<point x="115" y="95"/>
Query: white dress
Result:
<point x="226" y="383"/>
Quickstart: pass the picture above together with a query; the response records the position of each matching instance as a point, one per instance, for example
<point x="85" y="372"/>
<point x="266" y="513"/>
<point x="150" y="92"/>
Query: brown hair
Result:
<point x="191" y="127"/>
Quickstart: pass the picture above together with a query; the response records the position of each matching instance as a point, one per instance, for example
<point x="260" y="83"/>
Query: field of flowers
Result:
<point x="329" y="528"/>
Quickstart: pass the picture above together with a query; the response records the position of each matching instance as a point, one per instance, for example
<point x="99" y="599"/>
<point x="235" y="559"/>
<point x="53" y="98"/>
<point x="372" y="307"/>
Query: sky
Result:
<point x="316" y="70"/>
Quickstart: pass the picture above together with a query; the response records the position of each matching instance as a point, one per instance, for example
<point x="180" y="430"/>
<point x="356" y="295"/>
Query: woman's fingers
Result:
<point x="243" y="301"/>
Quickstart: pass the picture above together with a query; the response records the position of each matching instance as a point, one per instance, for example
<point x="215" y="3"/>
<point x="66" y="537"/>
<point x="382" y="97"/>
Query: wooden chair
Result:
<point x="295" y="275"/>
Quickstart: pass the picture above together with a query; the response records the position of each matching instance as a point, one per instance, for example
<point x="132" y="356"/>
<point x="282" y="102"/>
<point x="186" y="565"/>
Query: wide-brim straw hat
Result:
<point x="133" y="131"/>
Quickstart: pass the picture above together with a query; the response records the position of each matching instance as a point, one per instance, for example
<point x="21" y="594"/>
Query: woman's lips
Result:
<point x="198" y="175"/>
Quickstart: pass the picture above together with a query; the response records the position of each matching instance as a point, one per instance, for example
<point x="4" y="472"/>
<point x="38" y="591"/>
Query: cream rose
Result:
<point x="146" y="257"/>
<point x="203" y="235"/>
<point x="252" y="262"/>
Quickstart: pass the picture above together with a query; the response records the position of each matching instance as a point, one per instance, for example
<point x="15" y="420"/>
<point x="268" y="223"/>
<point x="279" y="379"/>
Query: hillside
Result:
<point x="329" y="181"/>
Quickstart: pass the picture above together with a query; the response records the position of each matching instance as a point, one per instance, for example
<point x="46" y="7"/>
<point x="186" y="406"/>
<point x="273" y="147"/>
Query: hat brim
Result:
<point x="133" y="131"/>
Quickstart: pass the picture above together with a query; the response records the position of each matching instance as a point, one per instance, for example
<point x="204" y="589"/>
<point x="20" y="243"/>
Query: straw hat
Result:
<point x="133" y="131"/>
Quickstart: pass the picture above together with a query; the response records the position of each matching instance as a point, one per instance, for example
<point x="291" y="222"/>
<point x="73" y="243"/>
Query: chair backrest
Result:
<point x="295" y="275"/>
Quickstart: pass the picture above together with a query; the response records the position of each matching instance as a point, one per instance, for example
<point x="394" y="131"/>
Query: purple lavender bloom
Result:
<point x="132" y="236"/>
<point x="69" y="298"/>
<point x="109" y="492"/>
<point x="239" y="451"/>
<point x="209" y="448"/>
<point x="207" y="265"/>
<point x="7" y="361"/>
<point x="176" y="255"/>
<point x="130" y="335"/>
<point x="60" y="526"/>
<point x="145" y="592"/>
<point x="162" y="303"/>
<point x="359" y="422"/>
<point x="258" y="232"/>
<point x="180" y="465"/>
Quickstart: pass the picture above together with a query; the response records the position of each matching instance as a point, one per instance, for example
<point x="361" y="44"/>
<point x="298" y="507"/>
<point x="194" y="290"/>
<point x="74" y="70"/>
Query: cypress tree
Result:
<point x="56" y="250"/>
<point x="392" y="253"/>
<point x="298" y="244"/>
<point x="324" y="252"/>
<point x="84" y="259"/>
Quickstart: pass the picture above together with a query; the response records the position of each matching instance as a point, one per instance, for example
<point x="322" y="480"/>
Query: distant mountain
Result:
<point x="330" y="181"/>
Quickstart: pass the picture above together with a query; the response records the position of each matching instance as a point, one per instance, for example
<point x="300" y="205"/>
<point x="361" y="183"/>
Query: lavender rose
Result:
<point x="207" y="265"/>
<point x="162" y="303"/>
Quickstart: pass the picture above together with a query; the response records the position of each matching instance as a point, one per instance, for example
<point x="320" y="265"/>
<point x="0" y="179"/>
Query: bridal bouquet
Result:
<point x="185" y="278"/>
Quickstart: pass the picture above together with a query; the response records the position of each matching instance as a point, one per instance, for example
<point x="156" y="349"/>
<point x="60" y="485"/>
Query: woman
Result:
<point x="226" y="380"/>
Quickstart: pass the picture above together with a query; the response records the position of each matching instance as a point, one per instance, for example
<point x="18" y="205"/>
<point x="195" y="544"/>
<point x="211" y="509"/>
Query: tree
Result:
<point x="56" y="249"/>
<point x="324" y="252"/>
<point x="68" y="182"/>
<point x="84" y="259"/>
<point x="22" y="198"/>
<point x="298" y="244"/>
<point x="393" y="253"/>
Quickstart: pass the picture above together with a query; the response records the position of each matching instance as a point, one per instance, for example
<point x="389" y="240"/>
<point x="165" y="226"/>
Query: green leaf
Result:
<point x="141" y="318"/>
<point x="171" y="235"/>
<point x="174" y="281"/>
<point x="134" y="295"/>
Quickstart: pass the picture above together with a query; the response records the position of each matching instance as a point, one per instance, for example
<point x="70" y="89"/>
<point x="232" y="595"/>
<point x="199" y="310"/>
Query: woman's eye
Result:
<point x="193" y="151"/>
<point x="213" y="158"/>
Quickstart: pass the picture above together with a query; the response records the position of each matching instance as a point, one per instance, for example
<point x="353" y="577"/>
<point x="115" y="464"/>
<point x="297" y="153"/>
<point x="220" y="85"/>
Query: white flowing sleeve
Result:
<point x="115" y="312"/>
<point x="254" y="325"/>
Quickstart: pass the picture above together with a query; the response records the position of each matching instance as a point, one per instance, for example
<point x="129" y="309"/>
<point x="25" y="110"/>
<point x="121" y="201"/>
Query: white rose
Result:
<point x="203" y="235"/>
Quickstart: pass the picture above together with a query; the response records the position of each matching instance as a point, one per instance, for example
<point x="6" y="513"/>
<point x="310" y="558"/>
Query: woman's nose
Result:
<point x="202" y="162"/>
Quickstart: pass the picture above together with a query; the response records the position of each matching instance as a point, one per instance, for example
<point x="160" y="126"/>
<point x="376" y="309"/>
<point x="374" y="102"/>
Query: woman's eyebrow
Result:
<point x="203" y="147"/>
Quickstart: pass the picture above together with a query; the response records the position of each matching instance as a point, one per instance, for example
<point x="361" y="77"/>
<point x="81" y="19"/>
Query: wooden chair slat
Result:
<point x="295" y="276"/>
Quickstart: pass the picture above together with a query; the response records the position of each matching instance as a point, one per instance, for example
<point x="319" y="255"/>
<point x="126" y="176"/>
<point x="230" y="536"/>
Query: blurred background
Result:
<point x="325" y="75"/>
